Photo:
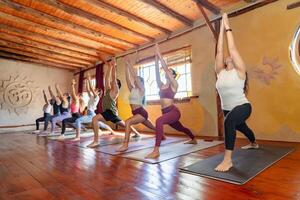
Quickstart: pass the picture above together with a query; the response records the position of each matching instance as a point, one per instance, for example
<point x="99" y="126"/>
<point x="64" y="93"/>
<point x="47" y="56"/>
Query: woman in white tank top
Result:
<point x="232" y="85"/>
<point x="136" y="101"/>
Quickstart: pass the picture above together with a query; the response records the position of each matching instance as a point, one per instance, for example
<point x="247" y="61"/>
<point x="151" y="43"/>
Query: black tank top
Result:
<point x="56" y="109"/>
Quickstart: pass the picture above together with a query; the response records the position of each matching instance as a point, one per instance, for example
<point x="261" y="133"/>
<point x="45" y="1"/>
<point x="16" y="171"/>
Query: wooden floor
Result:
<point x="33" y="168"/>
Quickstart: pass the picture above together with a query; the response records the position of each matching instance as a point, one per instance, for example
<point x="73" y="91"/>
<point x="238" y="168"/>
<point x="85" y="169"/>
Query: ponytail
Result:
<point x="246" y="85"/>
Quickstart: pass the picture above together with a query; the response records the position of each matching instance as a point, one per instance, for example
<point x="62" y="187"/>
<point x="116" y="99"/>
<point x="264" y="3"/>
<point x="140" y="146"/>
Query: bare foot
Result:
<point x="193" y="141"/>
<point x="93" y="145"/>
<point x="154" y="154"/>
<point x="112" y="133"/>
<point x="76" y="139"/>
<point x="251" y="146"/>
<point x="123" y="148"/>
<point x="136" y="135"/>
<point x="224" y="166"/>
<point x="61" y="137"/>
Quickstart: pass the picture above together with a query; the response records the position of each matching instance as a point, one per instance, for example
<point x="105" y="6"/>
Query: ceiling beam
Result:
<point x="29" y="25"/>
<point x="207" y="21"/>
<point x="33" y="55"/>
<point x="14" y="56"/>
<point x="94" y="18"/>
<point x="119" y="11"/>
<point x="166" y="10"/>
<point x="209" y="6"/>
<point x="293" y="5"/>
<point x="66" y="25"/>
<point x="32" y="36"/>
<point x="45" y="48"/>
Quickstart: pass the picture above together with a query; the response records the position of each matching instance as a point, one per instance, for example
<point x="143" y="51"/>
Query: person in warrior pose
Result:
<point x="232" y="86"/>
<point x="109" y="104"/>
<point x="170" y="113"/>
<point x="137" y="101"/>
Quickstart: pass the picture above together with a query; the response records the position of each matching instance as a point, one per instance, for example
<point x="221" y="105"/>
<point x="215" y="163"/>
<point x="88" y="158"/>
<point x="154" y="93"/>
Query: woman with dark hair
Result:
<point x="109" y="103"/>
<point x="64" y="108"/>
<point x="170" y="113"/>
<point x="77" y="108"/>
<point x="232" y="85"/>
<point x="137" y="101"/>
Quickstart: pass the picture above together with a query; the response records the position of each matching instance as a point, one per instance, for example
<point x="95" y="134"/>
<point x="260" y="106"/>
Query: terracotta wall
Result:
<point x="263" y="37"/>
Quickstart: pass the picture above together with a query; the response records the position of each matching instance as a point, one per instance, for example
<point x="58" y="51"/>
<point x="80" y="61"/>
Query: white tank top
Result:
<point x="231" y="89"/>
<point x="47" y="108"/>
<point x="135" y="97"/>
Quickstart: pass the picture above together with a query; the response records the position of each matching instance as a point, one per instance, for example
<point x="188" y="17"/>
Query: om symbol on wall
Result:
<point x="16" y="94"/>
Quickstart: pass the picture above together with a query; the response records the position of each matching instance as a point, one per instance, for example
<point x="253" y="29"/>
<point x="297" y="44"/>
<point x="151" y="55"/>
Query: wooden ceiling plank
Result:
<point x="45" y="47"/>
<point x="68" y="25"/>
<point x="82" y="50"/>
<point x="62" y="35"/>
<point x="34" y="55"/>
<point x="169" y="12"/>
<point x="293" y="5"/>
<point x="16" y="45"/>
<point x="209" y="6"/>
<point x="32" y="60"/>
<point x="94" y="18"/>
<point x="24" y="40"/>
<point x="119" y="11"/>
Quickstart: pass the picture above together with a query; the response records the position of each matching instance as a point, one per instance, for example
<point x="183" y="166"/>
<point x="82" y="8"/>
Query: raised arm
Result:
<point x="91" y="88"/>
<point x="170" y="76"/>
<point x="136" y="78"/>
<point x="58" y="91"/>
<point x="45" y="96"/>
<point x="114" y="85"/>
<point x="51" y="92"/>
<point x="127" y="72"/>
<point x="235" y="55"/>
<point x="158" y="80"/>
<point x="220" y="55"/>
<point x="74" y="96"/>
<point x="88" y="90"/>
<point x="107" y="85"/>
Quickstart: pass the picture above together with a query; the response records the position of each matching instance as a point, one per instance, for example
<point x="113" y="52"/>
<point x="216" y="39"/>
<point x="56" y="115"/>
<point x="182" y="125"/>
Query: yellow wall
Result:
<point x="263" y="32"/>
<point x="268" y="31"/>
<point x="199" y="114"/>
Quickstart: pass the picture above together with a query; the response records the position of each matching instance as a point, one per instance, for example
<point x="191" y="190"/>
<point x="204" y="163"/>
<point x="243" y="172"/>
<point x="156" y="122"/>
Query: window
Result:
<point x="180" y="61"/>
<point x="295" y="51"/>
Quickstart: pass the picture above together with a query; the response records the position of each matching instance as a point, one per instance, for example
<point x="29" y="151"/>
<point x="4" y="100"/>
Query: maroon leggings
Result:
<point x="171" y="116"/>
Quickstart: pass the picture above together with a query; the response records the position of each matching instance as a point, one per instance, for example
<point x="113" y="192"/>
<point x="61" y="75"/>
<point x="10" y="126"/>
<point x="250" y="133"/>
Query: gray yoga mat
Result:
<point x="171" y="151"/>
<point x="137" y="145"/>
<point x="71" y="136"/>
<point x="113" y="139"/>
<point x="247" y="164"/>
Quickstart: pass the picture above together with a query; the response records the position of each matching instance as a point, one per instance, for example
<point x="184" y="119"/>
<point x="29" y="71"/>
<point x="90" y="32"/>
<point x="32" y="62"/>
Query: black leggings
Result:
<point x="236" y="120"/>
<point x="46" y="118"/>
<point x="69" y="121"/>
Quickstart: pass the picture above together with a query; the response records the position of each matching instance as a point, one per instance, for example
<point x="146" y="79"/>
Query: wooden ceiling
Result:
<point x="73" y="34"/>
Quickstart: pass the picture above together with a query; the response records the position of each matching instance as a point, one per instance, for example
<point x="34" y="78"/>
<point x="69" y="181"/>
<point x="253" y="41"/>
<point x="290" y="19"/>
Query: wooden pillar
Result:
<point x="219" y="108"/>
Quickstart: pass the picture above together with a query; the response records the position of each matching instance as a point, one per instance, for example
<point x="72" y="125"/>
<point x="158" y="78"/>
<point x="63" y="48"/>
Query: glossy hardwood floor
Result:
<point x="33" y="168"/>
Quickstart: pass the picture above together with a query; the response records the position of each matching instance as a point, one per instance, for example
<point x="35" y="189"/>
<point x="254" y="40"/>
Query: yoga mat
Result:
<point x="136" y="145"/>
<point x="113" y="139"/>
<point x="170" y="151"/>
<point x="71" y="136"/>
<point x="247" y="164"/>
